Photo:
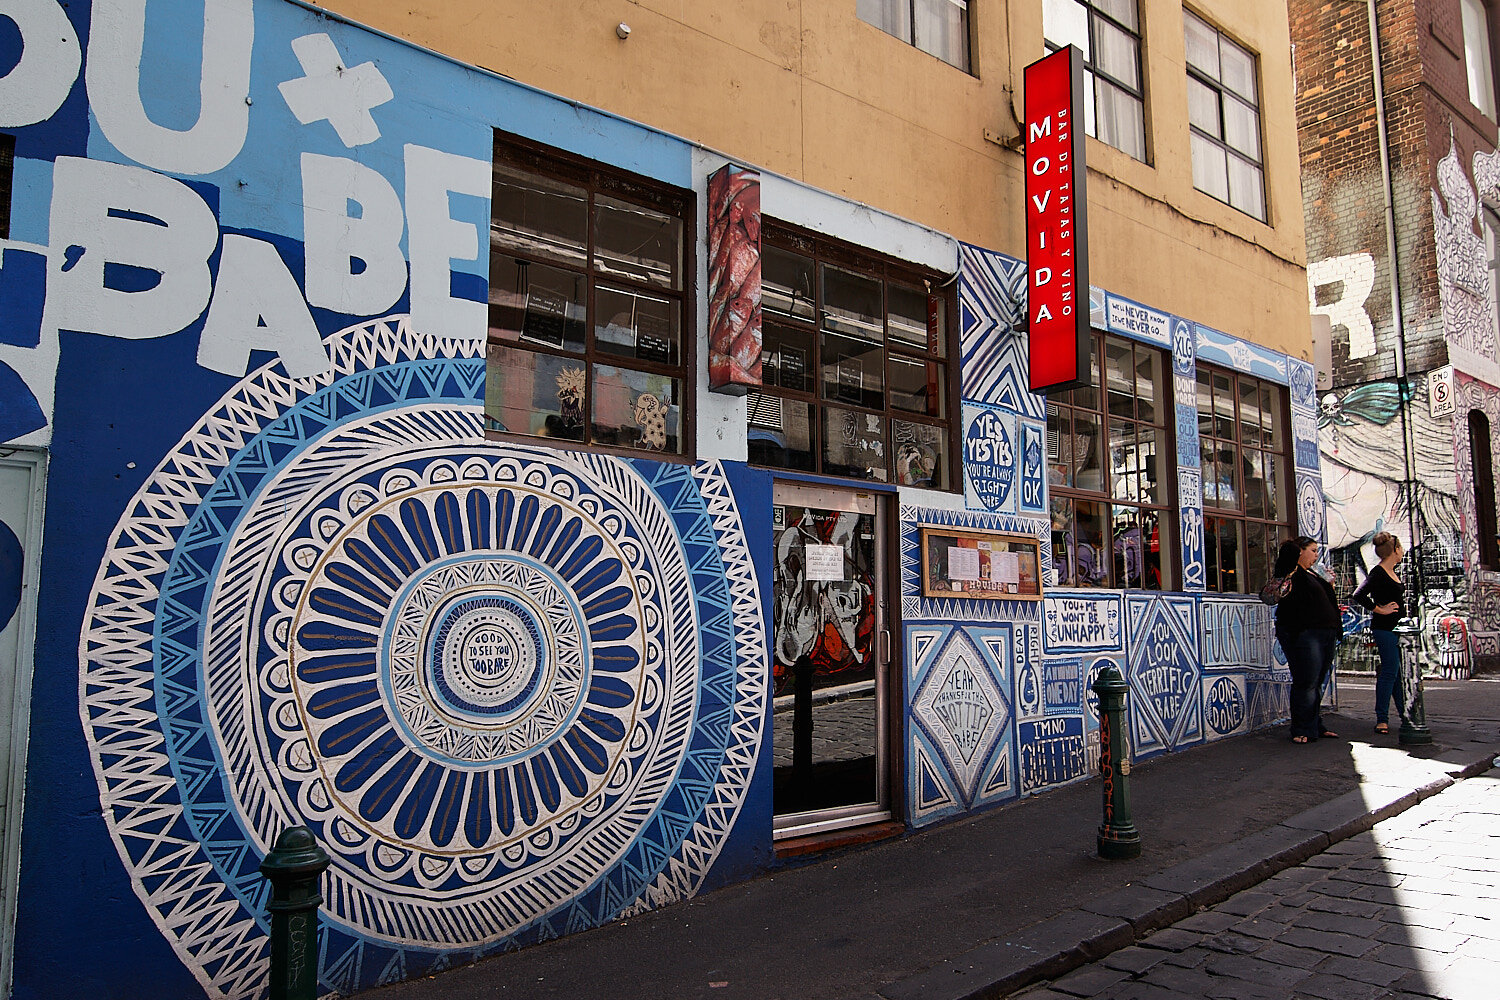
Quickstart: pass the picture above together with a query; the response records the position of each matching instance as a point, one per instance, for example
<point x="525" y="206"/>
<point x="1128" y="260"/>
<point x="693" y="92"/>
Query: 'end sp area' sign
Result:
<point x="1056" y="225"/>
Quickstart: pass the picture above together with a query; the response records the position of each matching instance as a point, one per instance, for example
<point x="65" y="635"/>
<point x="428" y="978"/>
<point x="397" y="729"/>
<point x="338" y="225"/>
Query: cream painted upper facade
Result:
<point x="806" y="89"/>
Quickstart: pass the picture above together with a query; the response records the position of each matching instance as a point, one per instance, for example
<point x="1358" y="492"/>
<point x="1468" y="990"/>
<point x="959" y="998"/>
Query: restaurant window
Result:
<point x="1248" y="507"/>
<point x="1482" y="459"/>
<point x="855" y="367"/>
<point x="1224" y="119"/>
<point x="938" y="27"/>
<point x="1108" y="33"/>
<point x="589" y="330"/>
<point x="1109" y="471"/>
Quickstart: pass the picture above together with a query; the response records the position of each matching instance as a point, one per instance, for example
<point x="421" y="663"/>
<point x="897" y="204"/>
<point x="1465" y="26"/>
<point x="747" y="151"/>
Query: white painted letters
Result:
<point x="258" y="306"/>
<point x="99" y="213"/>
<point x="117" y="37"/>
<point x="435" y="239"/>
<point x="1356" y="271"/>
<point x="50" y="56"/>
<point x="335" y="239"/>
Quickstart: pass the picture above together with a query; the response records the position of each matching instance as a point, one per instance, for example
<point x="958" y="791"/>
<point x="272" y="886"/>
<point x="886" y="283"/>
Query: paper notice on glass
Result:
<point x="824" y="562"/>
<point x="963" y="563"/>
<point x="1007" y="567"/>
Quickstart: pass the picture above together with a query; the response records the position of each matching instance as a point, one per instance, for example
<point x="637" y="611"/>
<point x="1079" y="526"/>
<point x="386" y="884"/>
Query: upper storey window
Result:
<point x="1477" y="56"/>
<point x="1108" y="32"/>
<point x="937" y="27"/>
<point x="589" y="335"/>
<point x="1224" y="113"/>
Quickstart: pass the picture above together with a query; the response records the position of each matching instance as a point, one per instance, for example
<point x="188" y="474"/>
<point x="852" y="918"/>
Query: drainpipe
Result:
<point x="1409" y="485"/>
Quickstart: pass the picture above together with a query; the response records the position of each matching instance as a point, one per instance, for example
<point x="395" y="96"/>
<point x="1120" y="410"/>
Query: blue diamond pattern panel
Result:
<point x="1165" y="709"/>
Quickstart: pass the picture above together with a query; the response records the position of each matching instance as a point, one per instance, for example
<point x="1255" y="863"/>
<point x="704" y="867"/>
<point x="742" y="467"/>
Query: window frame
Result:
<point x="910" y="38"/>
<point x="1485" y="66"/>
<point x="1224" y="93"/>
<point x="778" y="236"/>
<point x="600" y="179"/>
<point x="1482" y="476"/>
<point x="1163" y="425"/>
<point x="1092" y="15"/>
<point x="1253" y="573"/>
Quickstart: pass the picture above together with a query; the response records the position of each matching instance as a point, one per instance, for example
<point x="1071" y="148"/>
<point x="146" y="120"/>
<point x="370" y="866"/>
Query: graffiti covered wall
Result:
<point x="514" y="691"/>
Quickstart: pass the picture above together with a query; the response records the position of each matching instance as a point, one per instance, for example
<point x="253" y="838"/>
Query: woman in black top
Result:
<point x="1381" y="593"/>
<point x="1308" y="626"/>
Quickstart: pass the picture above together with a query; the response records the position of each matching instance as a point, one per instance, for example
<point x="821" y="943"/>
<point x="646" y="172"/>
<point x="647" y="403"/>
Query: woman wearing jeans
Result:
<point x="1308" y="626"/>
<point x="1381" y="593"/>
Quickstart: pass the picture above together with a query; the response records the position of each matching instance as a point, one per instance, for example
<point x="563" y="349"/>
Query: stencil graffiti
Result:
<point x="1051" y="751"/>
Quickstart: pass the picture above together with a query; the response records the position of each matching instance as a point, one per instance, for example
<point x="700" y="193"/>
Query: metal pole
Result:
<point x="293" y="868"/>
<point x="1118" y="837"/>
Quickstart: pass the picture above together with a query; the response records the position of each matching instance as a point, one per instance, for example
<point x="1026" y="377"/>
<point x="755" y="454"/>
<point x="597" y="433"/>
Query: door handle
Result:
<point x="883" y="647"/>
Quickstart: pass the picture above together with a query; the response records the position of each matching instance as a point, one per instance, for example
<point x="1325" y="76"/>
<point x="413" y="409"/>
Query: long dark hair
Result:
<point x="1288" y="554"/>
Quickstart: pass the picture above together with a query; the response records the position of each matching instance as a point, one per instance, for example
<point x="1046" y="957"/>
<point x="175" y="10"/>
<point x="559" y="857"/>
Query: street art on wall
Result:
<point x="511" y="690"/>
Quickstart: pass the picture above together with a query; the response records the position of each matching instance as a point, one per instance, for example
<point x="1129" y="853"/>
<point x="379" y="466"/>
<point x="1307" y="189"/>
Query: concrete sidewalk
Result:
<point x="984" y="906"/>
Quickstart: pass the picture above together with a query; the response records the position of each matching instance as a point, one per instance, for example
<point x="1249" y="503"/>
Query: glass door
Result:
<point x="831" y="657"/>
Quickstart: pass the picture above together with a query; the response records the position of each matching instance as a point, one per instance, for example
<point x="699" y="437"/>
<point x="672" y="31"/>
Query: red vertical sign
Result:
<point x="1057" y="285"/>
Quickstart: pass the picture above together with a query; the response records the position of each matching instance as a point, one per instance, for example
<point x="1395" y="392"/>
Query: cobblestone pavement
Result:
<point x="842" y="730"/>
<point x="1410" y="909"/>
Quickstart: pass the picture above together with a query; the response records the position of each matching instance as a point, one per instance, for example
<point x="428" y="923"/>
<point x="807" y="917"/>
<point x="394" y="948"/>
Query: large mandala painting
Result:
<point x="501" y="684"/>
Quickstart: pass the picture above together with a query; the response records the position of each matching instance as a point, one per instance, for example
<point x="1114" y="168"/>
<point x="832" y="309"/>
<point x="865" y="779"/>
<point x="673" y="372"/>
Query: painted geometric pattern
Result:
<point x="514" y="692"/>
<point x="991" y="302"/>
<point x="914" y="605"/>
<point x="1310" y="505"/>
<point x="1165" y="709"/>
<point x="958" y="684"/>
<point x="1226" y="706"/>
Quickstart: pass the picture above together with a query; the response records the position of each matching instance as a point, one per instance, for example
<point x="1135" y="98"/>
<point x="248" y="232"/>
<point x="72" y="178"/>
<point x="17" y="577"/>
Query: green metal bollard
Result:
<point x="1118" y="837"/>
<point x="1413" y="705"/>
<point x="293" y="868"/>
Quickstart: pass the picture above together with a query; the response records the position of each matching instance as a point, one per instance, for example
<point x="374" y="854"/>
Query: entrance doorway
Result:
<point x="20" y="534"/>
<point x="831" y="660"/>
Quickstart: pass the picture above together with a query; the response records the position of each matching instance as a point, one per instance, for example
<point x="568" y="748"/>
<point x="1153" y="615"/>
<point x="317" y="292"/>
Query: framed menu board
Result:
<point x="980" y="565"/>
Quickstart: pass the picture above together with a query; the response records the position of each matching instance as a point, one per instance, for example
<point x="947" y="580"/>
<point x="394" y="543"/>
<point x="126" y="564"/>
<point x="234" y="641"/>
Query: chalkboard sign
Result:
<point x="980" y="565"/>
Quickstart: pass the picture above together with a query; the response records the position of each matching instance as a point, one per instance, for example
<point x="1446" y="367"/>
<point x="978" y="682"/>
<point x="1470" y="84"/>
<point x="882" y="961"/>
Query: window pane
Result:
<point x="941" y="28"/>
<point x="1115" y="53"/>
<point x="1202" y="43"/>
<point x="786" y="284"/>
<point x="1237" y="69"/>
<point x="531" y="393"/>
<point x="637" y="410"/>
<point x="1260" y="553"/>
<point x="1205" y="404"/>
<point x="1223" y="407"/>
<point x="1230" y="556"/>
<point x="1153" y="464"/>
<point x="1207" y="461"/>
<point x="538" y="216"/>
<point x="1121" y="10"/>
<point x="1084" y="558"/>
<point x="1270" y="414"/>
<point x="1087" y="396"/>
<point x="1090" y="108"/>
<point x="536" y="304"/>
<point x="1120" y="119"/>
<point x="1242" y="127"/>
<point x="917" y="386"/>
<point x="1129" y="535"/>
<point x="637" y="242"/>
<point x="1477" y="56"/>
<point x="1203" y="107"/>
<point x="1246" y="191"/>
<point x="636" y="325"/>
<point x="1059" y="445"/>
<point x="1119" y="377"/>
<point x="1254" y="483"/>
<point x="1088" y="467"/>
<point x="854" y="445"/>
<point x="1065" y="22"/>
<point x="1249" y="412"/>
<point x="1227" y="477"/>
<point x="780" y="432"/>
<point x="921" y="454"/>
<point x="788" y="357"/>
<point x="853" y="371"/>
<point x="907" y="315"/>
<point x="851" y="304"/>
<point x="1210" y="173"/>
<point x="1124" y="462"/>
<point x="1150" y="386"/>
<point x="1278" y="500"/>
<point x="1158" y="573"/>
<point x="891" y="16"/>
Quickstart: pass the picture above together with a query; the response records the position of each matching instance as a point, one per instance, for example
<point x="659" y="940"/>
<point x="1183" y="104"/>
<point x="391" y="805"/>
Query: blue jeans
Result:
<point x="1310" y="658"/>
<point x="1390" y="668"/>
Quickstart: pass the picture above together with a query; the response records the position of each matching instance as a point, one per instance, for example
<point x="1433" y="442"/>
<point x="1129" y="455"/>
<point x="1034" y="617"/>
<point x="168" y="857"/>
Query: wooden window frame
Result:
<point x="822" y="251"/>
<point x="1217" y="85"/>
<point x="1094" y="15"/>
<point x="601" y="179"/>
<point x="1072" y="403"/>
